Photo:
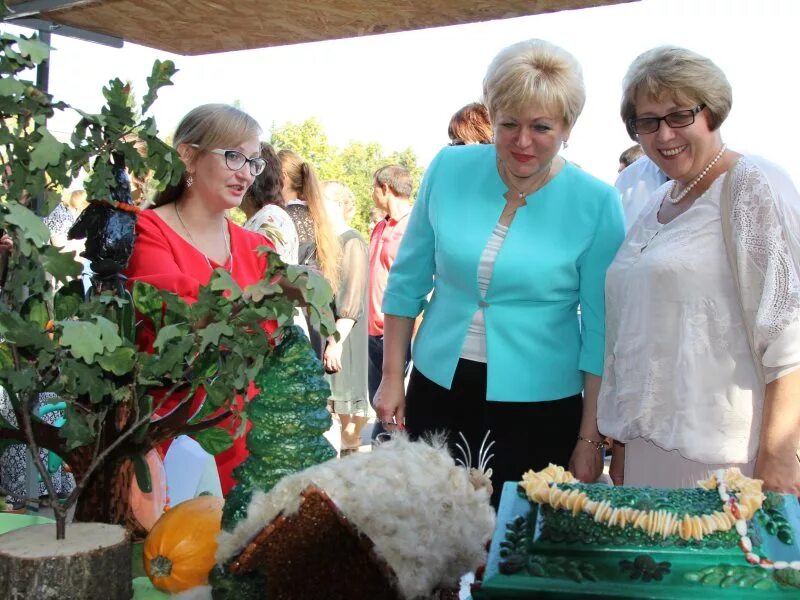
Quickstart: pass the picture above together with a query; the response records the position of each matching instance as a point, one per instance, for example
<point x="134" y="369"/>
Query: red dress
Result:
<point x="165" y="260"/>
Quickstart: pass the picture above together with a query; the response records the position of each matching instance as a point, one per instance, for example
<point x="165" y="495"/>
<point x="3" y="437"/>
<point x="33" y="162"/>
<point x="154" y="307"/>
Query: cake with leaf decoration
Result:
<point x="557" y="537"/>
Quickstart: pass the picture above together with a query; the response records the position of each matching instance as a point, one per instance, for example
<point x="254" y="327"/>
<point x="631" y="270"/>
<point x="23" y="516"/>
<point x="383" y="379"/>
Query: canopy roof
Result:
<point x="206" y="26"/>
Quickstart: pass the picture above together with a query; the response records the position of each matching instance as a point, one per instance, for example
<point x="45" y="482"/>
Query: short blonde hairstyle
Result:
<point x="687" y="77"/>
<point x="534" y="73"/>
<point x="342" y="196"/>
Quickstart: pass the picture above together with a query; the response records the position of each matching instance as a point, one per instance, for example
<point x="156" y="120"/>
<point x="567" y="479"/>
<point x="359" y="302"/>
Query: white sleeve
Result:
<point x="765" y="213"/>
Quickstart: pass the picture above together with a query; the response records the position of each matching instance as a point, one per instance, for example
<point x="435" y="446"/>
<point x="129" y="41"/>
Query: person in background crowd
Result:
<point x="15" y="465"/>
<point x="63" y="217"/>
<point x="264" y="208"/>
<point x="470" y="125"/>
<point x="636" y="184"/>
<point x="187" y="235"/>
<point x="511" y="238"/>
<point x="376" y="215"/>
<point x="318" y="243"/>
<point x="345" y="358"/>
<point x="629" y="156"/>
<point x="391" y="194"/>
<point x="702" y="353"/>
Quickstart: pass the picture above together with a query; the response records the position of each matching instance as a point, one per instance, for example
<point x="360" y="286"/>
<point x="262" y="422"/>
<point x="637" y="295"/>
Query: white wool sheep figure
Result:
<point x="428" y="518"/>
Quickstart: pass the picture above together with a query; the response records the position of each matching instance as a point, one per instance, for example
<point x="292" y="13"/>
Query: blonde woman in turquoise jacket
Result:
<point x="511" y="238"/>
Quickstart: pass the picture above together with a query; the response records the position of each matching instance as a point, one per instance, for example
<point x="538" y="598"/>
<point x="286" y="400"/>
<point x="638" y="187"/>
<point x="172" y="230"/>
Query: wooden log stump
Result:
<point x="92" y="563"/>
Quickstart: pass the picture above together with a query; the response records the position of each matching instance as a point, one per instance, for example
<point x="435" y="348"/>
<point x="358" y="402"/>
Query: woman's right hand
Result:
<point x="6" y="244"/>
<point x="390" y="403"/>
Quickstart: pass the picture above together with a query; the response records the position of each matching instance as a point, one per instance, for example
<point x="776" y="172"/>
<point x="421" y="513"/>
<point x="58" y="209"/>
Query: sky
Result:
<point x="401" y="89"/>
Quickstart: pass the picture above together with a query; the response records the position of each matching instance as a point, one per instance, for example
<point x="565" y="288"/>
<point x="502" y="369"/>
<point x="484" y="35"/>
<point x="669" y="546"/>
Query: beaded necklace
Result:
<point x="726" y="490"/>
<point x="696" y="180"/>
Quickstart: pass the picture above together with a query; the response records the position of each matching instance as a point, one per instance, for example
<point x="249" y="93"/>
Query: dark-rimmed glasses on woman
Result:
<point x="676" y="120"/>
<point x="235" y="160"/>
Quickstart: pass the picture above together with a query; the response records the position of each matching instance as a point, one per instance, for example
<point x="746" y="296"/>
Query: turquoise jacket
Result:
<point x="554" y="258"/>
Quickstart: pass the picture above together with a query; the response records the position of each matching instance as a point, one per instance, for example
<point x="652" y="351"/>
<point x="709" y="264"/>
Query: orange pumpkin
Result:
<point x="179" y="550"/>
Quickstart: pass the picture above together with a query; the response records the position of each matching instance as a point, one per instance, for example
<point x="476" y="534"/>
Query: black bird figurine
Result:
<point x="109" y="230"/>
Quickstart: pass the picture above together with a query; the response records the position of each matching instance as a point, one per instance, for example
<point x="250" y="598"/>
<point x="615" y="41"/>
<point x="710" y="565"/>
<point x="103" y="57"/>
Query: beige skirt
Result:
<point x="648" y="465"/>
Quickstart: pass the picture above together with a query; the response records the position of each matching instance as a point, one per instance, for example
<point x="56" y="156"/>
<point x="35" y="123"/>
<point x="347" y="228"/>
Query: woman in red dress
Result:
<point x="187" y="234"/>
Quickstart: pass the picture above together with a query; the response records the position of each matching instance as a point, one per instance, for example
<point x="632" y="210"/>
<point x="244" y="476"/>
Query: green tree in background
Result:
<point x="353" y="165"/>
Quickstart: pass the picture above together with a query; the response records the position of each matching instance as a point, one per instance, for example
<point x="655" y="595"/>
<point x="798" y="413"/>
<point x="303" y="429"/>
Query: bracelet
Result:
<point x="599" y="446"/>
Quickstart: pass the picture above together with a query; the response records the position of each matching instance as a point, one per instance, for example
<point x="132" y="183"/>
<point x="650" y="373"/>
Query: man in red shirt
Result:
<point x="391" y="193"/>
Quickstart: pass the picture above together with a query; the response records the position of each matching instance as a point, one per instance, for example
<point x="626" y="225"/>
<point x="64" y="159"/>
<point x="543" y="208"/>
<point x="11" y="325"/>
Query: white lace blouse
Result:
<point x="678" y="368"/>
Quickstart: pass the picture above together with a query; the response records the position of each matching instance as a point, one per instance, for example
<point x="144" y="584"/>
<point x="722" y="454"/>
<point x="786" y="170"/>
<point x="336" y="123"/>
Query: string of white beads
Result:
<point x="697" y="179"/>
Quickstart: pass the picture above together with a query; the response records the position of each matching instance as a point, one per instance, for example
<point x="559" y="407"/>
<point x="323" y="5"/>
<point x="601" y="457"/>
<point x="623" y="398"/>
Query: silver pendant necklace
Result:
<point x="196" y="247"/>
<point x="522" y="196"/>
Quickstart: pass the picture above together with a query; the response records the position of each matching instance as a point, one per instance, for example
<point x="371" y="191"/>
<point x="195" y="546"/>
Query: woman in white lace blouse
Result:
<point x="681" y="386"/>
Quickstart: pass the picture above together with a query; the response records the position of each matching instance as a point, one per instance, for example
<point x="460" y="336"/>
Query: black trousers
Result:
<point x="527" y="435"/>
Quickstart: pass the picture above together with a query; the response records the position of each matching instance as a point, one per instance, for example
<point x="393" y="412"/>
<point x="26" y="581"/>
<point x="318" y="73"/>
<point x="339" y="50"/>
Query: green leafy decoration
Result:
<point x="11" y="87"/>
<point x="120" y="361"/>
<point x="167" y="334"/>
<point x="61" y="265"/>
<point x="221" y="280"/>
<point x="76" y="429"/>
<point x="142" y="471"/>
<point x="83" y="381"/>
<point x="6" y="358"/>
<point x="212" y="334"/>
<point x="35" y="49"/>
<point x="84" y="339"/>
<point x="214" y="440"/>
<point x="160" y="76"/>
<point x="47" y="151"/>
<point x="17" y="379"/>
<point x="19" y="332"/>
<point x="108" y="334"/>
<point x="30" y="226"/>
<point x="34" y="310"/>
<point x="68" y="300"/>
<point x="256" y="292"/>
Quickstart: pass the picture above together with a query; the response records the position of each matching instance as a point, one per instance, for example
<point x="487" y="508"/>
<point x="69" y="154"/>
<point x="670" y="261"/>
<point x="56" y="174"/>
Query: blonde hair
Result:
<point x="209" y="126"/>
<point x="77" y="200"/>
<point x="534" y="73"/>
<point x="687" y="77"/>
<point x="302" y="179"/>
<point x="342" y="196"/>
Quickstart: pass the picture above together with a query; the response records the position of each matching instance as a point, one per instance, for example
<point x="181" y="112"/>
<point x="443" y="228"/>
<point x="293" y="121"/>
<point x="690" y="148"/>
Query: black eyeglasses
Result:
<point x="235" y="160"/>
<point x="676" y="120"/>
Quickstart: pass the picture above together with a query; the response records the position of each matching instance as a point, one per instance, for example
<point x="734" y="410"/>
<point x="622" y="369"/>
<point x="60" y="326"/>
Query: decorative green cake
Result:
<point x="558" y="538"/>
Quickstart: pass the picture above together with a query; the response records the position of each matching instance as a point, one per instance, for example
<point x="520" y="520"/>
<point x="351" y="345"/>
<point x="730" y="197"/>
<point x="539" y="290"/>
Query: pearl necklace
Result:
<point x="697" y="179"/>
<point x="191" y="239"/>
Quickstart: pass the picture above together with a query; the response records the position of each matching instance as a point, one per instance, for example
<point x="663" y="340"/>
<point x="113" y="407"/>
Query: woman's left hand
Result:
<point x="779" y="474"/>
<point x="586" y="462"/>
<point x="332" y="358"/>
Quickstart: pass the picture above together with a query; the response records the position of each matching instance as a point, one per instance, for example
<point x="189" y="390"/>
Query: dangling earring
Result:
<point x="566" y="145"/>
<point x="189" y="181"/>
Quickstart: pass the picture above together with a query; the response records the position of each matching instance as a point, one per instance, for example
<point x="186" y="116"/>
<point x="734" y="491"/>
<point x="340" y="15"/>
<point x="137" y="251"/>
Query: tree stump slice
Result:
<point x="92" y="563"/>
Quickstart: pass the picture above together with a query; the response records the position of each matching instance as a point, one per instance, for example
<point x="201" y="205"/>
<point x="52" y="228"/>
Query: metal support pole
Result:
<point x="43" y="83"/>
